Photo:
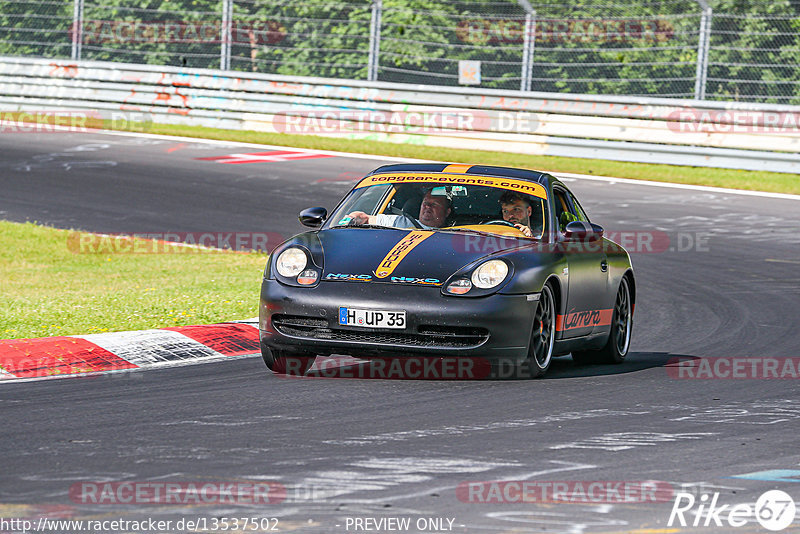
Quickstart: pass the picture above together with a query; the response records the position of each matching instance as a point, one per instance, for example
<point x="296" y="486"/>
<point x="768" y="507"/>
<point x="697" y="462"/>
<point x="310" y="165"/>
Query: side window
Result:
<point x="365" y="199"/>
<point x="564" y="212"/>
<point x="577" y="209"/>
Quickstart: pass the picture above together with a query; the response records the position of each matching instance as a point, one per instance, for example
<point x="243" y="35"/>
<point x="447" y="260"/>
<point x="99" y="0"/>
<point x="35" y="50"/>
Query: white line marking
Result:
<point x="620" y="441"/>
<point x="650" y="183"/>
<point x="567" y="466"/>
<point x="414" y="160"/>
<point x="567" y="522"/>
<point x="782" y="261"/>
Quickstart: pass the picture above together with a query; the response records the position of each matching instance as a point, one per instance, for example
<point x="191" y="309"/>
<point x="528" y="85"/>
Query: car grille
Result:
<point x="426" y="336"/>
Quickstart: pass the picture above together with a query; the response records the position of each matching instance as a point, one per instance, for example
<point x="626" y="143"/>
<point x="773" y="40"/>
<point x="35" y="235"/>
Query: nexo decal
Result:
<point x="349" y="277"/>
<point x="412" y="280"/>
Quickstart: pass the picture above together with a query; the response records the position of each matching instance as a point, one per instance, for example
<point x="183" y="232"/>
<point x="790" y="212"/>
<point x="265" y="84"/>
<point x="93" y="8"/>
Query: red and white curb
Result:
<point x="61" y="356"/>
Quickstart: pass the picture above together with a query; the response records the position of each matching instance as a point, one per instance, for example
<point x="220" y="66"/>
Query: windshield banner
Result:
<point x="520" y="186"/>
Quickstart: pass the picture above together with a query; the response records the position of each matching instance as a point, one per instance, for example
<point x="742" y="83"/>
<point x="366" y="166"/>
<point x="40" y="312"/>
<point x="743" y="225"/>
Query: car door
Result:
<point x="587" y="275"/>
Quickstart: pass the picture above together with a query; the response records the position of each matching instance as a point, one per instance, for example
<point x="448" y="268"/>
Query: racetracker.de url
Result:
<point x="196" y="524"/>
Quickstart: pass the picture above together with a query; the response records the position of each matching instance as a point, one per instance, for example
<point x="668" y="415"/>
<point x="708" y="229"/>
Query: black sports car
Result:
<point x="438" y="260"/>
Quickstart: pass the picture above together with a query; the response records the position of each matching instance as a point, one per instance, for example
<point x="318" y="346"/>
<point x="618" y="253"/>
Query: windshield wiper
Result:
<point x="365" y="226"/>
<point x="481" y="232"/>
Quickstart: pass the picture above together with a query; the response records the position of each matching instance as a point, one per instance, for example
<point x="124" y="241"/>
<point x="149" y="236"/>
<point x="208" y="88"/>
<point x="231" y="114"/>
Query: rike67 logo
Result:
<point x="774" y="510"/>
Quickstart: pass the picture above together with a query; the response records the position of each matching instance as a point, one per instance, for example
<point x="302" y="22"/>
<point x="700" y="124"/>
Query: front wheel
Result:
<point x="619" y="339"/>
<point x="282" y="363"/>
<point x="543" y="335"/>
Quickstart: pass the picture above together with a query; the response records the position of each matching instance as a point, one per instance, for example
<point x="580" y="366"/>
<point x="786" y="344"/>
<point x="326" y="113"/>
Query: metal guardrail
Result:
<point x="652" y="130"/>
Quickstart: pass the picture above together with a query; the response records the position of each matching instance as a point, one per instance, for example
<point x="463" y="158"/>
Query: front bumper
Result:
<point x="305" y="320"/>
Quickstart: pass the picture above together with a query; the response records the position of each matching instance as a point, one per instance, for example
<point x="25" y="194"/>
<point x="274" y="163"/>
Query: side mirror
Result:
<point x="313" y="217"/>
<point x="583" y="230"/>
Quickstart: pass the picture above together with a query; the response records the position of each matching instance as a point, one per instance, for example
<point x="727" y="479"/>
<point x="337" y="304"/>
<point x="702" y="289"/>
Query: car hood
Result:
<point x="405" y="256"/>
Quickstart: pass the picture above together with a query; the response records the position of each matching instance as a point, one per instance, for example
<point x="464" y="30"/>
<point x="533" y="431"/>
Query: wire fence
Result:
<point x="745" y="50"/>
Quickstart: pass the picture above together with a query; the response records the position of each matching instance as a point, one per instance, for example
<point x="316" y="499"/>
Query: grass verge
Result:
<point x="50" y="291"/>
<point x="735" y="179"/>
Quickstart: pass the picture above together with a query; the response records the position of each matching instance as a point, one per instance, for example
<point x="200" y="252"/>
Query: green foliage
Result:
<point x="328" y="38"/>
<point x="36" y="28"/>
<point x="755" y="51"/>
<point x="638" y="48"/>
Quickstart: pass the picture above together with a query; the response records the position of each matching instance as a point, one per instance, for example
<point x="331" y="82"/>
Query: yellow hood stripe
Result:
<point x="399" y="251"/>
<point x="457" y="168"/>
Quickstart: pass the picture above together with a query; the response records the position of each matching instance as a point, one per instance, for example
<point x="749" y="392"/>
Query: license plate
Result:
<point x="372" y="318"/>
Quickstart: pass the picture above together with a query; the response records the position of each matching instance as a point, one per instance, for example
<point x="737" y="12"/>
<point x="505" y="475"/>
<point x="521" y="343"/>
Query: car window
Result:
<point x="576" y="207"/>
<point x="398" y="204"/>
<point x="564" y="211"/>
<point x="368" y="198"/>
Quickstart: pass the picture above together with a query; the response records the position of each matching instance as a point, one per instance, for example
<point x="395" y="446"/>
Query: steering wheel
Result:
<point x="499" y="221"/>
<point x="407" y="216"/>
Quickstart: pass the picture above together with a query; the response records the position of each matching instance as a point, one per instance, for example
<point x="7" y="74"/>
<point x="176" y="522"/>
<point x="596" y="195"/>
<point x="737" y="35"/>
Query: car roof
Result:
<point x="458" y="168"/>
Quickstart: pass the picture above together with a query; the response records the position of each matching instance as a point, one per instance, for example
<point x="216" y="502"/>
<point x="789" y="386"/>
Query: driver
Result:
<point x="432" y="214"/>
<point x="517" y="210"/>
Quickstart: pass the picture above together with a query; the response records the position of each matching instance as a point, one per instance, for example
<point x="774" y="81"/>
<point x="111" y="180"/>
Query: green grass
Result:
<point x="48" y="290"/>
<point x="735" y="179"/>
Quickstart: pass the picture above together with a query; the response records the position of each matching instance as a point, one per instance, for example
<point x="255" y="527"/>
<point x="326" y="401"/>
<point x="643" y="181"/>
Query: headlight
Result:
<point x="290" y="262"/>
<point x="490" y="274"/>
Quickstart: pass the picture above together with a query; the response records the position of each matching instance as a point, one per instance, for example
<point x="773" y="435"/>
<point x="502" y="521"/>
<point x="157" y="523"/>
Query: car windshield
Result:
<point x="448" y="202"/>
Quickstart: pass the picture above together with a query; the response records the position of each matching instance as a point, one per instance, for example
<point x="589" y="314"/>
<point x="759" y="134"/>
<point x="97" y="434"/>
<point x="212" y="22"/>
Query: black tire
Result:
<point x="543" y="332"/>
<point x="282" y="363"/>
<point x="619" y="338"/>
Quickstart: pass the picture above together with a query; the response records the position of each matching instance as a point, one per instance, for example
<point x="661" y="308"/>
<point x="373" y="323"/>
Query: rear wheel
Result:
<point x="282" y="363"/>
<point x="540" y="350"/>
<point x="619" y="339"/>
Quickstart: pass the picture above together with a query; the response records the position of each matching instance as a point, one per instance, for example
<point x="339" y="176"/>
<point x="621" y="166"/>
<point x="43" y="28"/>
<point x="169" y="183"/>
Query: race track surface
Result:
<point x="727" y="284"/>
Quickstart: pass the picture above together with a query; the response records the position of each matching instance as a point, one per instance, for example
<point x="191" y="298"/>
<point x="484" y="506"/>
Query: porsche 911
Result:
<point x="449" y="261"/>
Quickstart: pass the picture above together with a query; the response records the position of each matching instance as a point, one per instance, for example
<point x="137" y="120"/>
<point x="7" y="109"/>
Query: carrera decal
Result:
<point x="399" y="251"/>
<point x="340" y="277"/>
<point x="521" y="186"/>
<point x="584" y="319"/>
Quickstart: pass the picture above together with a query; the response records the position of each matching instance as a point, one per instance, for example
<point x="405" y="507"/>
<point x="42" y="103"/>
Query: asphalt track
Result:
<point x="360" y="448"/>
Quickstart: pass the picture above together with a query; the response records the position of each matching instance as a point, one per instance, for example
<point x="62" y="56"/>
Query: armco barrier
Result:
<point x="653" y="130"/>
